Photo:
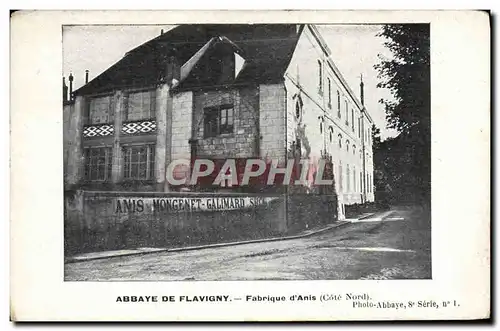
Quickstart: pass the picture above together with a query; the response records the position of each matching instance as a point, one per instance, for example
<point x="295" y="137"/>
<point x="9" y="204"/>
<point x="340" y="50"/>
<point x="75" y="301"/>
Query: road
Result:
<point x="394" y="246"/>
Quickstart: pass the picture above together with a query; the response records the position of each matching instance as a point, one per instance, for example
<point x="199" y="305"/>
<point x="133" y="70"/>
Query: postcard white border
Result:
<point x="460" y="83"/>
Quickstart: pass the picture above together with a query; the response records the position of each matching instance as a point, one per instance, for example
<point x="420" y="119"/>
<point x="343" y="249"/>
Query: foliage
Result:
<point x="402" y="164"/>
<point x="406" y="75"/>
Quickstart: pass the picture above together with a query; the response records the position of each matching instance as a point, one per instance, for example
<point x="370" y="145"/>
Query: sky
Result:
<point x="354" y="48"/>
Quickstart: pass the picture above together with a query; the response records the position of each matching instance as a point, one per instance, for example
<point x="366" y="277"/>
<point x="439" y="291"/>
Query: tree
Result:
<point x="406" y="75"/>
<point x="403" y="163"/>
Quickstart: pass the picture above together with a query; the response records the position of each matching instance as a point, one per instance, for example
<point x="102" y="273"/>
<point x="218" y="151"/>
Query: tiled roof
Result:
<point x="267" y="49"/>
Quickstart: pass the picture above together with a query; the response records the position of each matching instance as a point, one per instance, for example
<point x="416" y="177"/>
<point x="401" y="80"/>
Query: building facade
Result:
<point x="217" y="92"/>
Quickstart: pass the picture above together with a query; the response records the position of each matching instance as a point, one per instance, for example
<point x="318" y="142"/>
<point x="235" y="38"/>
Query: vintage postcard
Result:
<point x="250" y="166"/>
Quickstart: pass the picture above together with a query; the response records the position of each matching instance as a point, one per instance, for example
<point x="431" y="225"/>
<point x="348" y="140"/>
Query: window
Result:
<point x="139" y="162"/>
<point x="361" y="182"/>
<point x="320" y="76"/>
<point x="353" y="149"/>
<point x="347" y="145"/>
<point x="340" y="141"/>
<point x="331" y="134"/>
<point x="101" y="110"/>
<point x="141" y="105"/>
<point x="354" y="186"/>
<point x="359" y="127"/>
<point x="348" y="179"/>
<point x="352" y="119"/>
<point x="218" y="120"/>
<point x="329" y="93"/>
<point x="340" y="176"/>
<point x="98" y="163"/>
<point x="346" y="113"/>
<point x="338" y="104"/>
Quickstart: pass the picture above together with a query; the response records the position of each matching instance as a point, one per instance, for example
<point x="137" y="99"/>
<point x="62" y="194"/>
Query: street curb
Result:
<point x="366" y="216"/>
<point x="192" y="248"/>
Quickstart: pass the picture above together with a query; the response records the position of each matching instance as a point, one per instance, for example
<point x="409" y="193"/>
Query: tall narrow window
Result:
<point x="340" y="177"/>
<point x="320" y="76"/>
<point x="354" y="186"/>
<point x="346" y="113"/>
<point x="329" y="93"/>
<point x="352" y="119"/>
<point x="98" y="163"/>
<point x="141" y="105"/>
<point x="359" y="127"/>
<point x="340" y="141"/>
<point x="361" y="182"/>
<point x="338" y="104"/>
<point x="348" y="179"/>
<point x="298" y="110"/>
<point x="139" y="162"/>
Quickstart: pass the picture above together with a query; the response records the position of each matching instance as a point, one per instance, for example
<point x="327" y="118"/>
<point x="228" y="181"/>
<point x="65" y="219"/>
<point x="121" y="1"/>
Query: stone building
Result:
<point x="217" y="92"/>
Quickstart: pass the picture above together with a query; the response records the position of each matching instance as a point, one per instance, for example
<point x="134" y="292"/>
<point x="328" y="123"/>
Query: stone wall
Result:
<point x="243" y="142"/>
<point x="97" y="221"/>
<point x="182" y="110"/>
<point x="94" y="221"/>
<point x="272" y="99"/>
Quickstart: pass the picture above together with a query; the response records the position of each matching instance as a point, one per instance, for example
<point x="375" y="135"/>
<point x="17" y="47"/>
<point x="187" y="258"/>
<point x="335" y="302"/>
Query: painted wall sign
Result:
<point x="191" y="204"/>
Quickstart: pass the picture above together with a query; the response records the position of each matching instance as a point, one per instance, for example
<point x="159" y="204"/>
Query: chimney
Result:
<point x="65" y="91"/>
<point x="362" y="91"/>
<point x="86" y="76"/>
<point x="173" y="74"/>
<point x="70" y="78"/>
<point x="161" y="32"/>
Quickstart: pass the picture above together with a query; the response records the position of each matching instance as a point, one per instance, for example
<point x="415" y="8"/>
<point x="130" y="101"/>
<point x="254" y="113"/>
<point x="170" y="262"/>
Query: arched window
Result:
<point x="347" y="145"/>
<point x="320" y="76"/>
<point x="340" y="140"/>
<point x="353" y="149"/>
<point x="330" y="129"/>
